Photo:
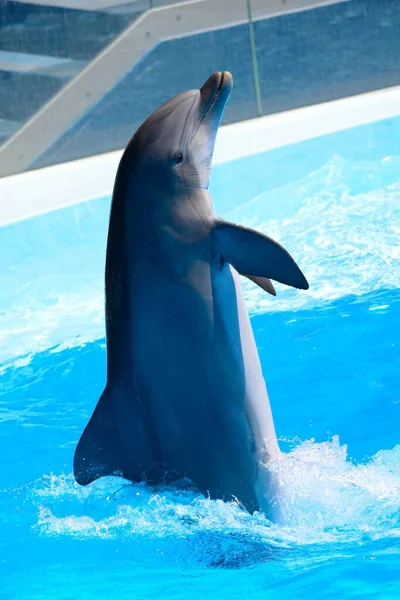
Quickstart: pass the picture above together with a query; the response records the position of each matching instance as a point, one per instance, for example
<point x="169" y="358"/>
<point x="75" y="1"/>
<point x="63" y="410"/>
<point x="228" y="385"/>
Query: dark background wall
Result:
<point x="303" y="58"/>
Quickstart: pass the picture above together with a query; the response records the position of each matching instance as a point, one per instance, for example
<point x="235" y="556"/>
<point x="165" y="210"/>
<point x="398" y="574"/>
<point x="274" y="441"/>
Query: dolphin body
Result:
<point x="185" y="396"/>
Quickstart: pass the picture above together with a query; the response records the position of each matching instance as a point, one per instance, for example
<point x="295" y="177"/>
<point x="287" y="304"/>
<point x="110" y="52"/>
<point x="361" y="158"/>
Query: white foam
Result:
<point x="328" y="499"/>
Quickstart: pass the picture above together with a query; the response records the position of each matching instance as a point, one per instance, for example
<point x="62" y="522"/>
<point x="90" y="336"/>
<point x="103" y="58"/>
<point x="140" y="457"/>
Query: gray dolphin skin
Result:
<point x="185" y="396"/>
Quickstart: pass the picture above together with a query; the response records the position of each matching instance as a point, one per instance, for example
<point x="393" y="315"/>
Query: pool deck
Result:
<point x="43" y="190"/>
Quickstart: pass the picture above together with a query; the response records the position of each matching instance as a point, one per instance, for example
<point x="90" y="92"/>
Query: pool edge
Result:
<point x="36" y="192"/>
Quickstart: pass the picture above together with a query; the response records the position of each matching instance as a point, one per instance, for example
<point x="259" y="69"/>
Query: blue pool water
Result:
<point x="331" y="358"/>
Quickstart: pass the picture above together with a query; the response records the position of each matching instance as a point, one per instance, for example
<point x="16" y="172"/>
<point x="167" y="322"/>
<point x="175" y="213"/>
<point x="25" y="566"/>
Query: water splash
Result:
<point x="37" y="321"/>
<point x="328" y="499"/>
<point x="341" y="223"/>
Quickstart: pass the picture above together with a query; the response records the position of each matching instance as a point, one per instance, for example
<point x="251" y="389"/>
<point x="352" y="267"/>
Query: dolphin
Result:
<point x="185" y="397"/>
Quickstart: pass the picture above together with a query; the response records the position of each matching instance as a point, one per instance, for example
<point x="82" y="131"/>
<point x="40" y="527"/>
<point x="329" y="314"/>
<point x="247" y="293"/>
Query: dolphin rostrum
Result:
<point x="185" y="396"/>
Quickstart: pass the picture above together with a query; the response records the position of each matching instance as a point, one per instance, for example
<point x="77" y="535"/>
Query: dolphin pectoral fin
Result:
<point x="113" y="444"/>
<point x="253" y="253"/>
<point x="263" y="282"/>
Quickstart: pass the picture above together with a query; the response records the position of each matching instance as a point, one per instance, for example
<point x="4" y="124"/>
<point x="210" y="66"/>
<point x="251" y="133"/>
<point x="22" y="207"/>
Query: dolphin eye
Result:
<point x="179" y="158"/>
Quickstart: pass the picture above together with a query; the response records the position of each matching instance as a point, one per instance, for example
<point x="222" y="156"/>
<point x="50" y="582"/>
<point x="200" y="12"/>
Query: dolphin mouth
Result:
<point x="214" y="95"/>
<point x="208" y="108"/>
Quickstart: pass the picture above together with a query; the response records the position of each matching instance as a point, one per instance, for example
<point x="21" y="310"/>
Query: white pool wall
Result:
<point x="36" y="192"/>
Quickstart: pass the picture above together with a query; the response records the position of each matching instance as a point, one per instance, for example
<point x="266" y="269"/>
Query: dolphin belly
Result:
<point x="190" y="369"/>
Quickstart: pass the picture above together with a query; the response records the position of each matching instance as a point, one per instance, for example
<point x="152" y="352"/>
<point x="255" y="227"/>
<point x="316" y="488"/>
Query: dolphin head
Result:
<point x="173" y="148"/>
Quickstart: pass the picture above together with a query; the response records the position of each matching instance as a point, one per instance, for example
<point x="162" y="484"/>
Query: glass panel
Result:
<point x="60" y="104"/>
<point x="42" y="47"/>
<point x="78" y="76"/>
<point x="326" y="52"/>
